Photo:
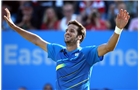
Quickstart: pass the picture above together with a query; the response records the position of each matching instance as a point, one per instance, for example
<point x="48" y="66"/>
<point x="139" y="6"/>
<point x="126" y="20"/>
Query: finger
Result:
<point x="121" y="12"/>
<point x="125" y="15"/>
<point x="128" y="17"/>
<point x="119" y="16"/>
<point x="8" y="13"/>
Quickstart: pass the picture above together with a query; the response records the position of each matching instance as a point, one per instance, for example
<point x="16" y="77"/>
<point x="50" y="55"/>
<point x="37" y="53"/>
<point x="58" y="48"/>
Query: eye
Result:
<point x="72" y="30"/>
<point x="66" y="30"/>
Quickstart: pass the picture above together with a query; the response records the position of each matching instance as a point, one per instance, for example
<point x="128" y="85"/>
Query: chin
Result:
<point x="67" y="41"/>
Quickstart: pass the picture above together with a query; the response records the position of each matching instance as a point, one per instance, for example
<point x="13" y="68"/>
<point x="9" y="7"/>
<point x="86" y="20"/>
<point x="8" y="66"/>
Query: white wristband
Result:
<point x="118" y="30"/>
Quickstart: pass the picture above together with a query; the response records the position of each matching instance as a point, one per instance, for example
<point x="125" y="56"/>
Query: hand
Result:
<point x="8" y="17"/>
<point x="122" y="19"/>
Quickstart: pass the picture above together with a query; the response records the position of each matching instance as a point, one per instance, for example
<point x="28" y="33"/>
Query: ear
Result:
<point x="79" y="37"/>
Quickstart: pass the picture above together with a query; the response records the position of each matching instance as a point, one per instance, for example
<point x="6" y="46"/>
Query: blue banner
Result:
<point x="25" y="64"/>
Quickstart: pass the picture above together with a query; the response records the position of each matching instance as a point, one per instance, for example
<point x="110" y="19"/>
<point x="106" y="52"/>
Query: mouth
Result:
<point x="67" y="36"/>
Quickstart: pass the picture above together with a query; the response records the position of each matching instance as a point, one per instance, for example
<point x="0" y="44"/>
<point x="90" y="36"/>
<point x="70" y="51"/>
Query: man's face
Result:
<point x="71" y="34"/>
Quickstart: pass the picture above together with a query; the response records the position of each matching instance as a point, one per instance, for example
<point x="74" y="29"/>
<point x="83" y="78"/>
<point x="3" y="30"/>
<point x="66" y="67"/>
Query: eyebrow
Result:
<point x="73" y="29"/>
<point x="70" y="29"/>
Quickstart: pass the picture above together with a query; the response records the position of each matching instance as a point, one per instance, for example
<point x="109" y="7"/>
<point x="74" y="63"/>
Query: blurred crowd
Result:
<point x="54" y="15"/>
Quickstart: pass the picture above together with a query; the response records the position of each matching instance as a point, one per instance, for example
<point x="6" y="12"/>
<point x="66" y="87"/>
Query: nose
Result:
<point x="67" y="32"/>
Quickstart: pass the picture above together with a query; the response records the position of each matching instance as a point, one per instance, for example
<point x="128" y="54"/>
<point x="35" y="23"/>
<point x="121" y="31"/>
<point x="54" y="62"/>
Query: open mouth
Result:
<point x="67" y="36"/>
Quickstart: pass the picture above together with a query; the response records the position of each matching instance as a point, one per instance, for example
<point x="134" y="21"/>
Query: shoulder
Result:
<point x="56" y="45"/>
<point x="87" y="49"/>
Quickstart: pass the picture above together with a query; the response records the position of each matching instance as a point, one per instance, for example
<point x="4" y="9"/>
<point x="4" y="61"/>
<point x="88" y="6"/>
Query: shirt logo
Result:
<point x="76" y="54"/>
<point x="60" y="66"/>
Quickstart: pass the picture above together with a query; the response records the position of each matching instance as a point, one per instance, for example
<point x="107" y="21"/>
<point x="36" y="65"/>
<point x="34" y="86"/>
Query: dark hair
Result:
<point x="22" y="88"/>
<point x="81" y="30"/>
<point x="47" y="84"/>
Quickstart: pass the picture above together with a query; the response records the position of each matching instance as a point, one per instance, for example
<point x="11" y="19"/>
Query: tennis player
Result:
<point x="74" y="63"/>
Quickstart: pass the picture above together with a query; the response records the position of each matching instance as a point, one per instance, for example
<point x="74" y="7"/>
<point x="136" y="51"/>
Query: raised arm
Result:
<point x="121" y="21"/>
<point x="26" y="34"/>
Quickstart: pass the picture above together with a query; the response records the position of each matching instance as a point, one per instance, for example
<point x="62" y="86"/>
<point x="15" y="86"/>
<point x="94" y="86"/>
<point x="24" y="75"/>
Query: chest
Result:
<point x="70" y="60"/>
<point x="69" y="65"/>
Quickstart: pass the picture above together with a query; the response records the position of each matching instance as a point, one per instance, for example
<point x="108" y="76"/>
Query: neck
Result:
<point x="71" y="47"/>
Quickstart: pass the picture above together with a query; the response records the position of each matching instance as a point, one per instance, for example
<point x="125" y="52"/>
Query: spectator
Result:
<point x="19" y="11"/>
<point x="114" y="10"/>
<point x="27" y="21"/>
<point x="121" y="5"/>
<point x="111" y="15"/>
<point x="133" y="9"/>
<point x="68" y="11"/>
<point x="133" y="24"/>
<point x="111" y="12"/>
<point x="39" y="8"/>
<point x="50" y="20"/>
<point x="100" y="6"/>
<point x="48" y="87"/>
<point x="58" y="8"/>
<point x="86" y="6"/>
<point x="94" y="22"/>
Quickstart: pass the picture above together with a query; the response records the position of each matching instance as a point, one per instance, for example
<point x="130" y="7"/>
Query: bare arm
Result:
<point x="26" y="34"/>
<point x="121" y="21"/>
